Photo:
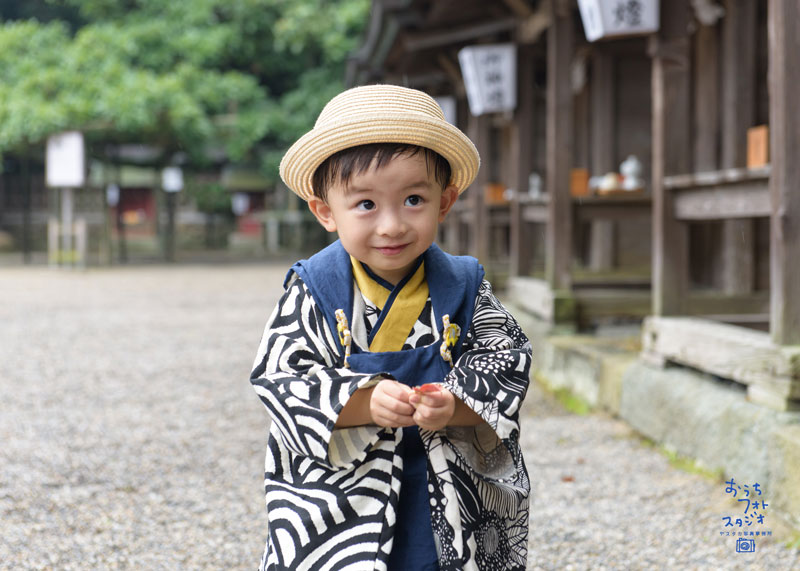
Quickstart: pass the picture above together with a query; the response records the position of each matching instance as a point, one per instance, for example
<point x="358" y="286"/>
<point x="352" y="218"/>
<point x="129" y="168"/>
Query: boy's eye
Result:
<point x="365" y="205"/>
<point x="414" y="200"/>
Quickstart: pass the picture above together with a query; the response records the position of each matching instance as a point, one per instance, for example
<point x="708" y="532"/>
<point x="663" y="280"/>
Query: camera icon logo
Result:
<point x="745" y="545"/>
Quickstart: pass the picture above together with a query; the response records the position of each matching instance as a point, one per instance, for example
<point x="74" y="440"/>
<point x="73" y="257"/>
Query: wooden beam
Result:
<point x="531" y="28"/>
<point x="741" y="201"/>
<point x="537" y="297"/>
<point x="536" y="212"/>
<point x="784" y="74"/>
<point x="521" y="8"/>
<point x="522" y="150"/>
<point x="558" y="246"/>
<point x="438" y="38"/>
<point x="711" y="302"/>
<point x="671" y="155"/>
<point x="598" y="303"/>
<point x="742" y="355"/>
<point x="716" y="178"/>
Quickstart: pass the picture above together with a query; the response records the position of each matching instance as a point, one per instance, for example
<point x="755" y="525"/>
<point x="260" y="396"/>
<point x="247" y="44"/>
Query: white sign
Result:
<point x="112" y="194"/>
<point x="615" y="18"/>
<point x="490" y="76"/>
<point x="240" y="203"/>
<point x="172" y="179"/>
<point x="65" y="160"/>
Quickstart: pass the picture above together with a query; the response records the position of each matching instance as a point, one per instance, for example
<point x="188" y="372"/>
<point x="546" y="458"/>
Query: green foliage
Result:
<point x="691" y="466"/>
<point x="681" y="462"/>
<point x="247" y="76"/>
<point x="210" y="197"/>
<point x="571" y="402"/>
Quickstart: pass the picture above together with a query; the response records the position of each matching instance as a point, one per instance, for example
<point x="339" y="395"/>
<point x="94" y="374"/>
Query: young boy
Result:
<point x="392" y="375"/>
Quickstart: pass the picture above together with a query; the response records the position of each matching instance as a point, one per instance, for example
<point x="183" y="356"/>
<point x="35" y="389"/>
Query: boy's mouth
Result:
<point x="391" y="250"/>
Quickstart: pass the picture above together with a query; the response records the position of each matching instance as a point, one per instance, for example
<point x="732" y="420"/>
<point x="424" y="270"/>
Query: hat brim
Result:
<point x="304" y="157"/>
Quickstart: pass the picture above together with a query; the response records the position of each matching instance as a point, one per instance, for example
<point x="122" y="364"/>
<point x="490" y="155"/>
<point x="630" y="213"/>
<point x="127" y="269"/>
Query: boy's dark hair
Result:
<point x="341" y="166"/>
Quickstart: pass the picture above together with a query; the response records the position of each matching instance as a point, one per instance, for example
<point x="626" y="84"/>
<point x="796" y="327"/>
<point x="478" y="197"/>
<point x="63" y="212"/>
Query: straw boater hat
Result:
<point x="378" y="114"/>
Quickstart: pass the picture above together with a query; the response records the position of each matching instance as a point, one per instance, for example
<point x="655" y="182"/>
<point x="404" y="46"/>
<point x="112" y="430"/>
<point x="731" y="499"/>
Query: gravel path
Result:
<point x="131" y="439"/>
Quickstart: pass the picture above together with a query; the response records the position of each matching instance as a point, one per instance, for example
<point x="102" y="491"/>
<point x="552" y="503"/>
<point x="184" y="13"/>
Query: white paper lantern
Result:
<point x="490" y="76"/>
<point x="172" y="179"/>
<point x="112" y="194"/>
<point x="618" y="18"/>
<point x="240" y="203"/>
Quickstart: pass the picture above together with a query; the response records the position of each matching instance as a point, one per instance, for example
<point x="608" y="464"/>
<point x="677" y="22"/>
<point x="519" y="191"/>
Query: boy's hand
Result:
<point x="435" y="406"/>
<point x="389" y="406"/>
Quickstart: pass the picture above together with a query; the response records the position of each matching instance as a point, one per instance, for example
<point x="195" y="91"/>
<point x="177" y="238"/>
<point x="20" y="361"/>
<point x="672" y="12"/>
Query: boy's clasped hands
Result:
<point x="393" y="404"/>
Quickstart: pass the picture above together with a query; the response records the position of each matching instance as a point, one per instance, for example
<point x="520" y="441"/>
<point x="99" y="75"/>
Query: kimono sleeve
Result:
<point x="298" y="375"/>
<point x="491" y="377"/>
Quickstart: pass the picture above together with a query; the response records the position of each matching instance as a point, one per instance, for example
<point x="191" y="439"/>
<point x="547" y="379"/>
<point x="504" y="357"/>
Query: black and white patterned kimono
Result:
<point x="332" y="493"/>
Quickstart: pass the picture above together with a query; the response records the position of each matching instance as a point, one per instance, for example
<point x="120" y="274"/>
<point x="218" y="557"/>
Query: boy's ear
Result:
<point x="322" y="212"/>
<point x="449" y="197"/>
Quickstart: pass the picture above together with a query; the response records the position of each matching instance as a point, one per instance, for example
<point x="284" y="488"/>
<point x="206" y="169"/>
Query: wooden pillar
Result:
<point x="478" y="131"/>
<point x="707" y="99"/>
<point x="603" y="132"/>
<point x="453" y="239"/>
<point x="558" y="253"/>
<point x="784" y="74"/>
<point x="738" y="80"/>
<point x="602" y="238"/>
<point x="522" y="149"/>
<point x="738" y="115"/>
<point x="671" y="155"/>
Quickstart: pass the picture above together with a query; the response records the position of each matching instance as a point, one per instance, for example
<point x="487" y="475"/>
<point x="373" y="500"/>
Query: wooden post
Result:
<point x="738" y="115"/>
<point x="707" y="99"/>
<point x="738" y="80"/>
<point x="784" y="74"/>
<point x="558" y="253"/>
<point x="451" y="232"/>
<point x="478" y="131"/>
<point x="671" y="155"/>
<point x="603" y="135"/>
<point x="522" y="150"/>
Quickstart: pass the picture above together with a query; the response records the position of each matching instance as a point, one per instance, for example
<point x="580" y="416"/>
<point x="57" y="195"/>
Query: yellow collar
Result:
<point x="400" y="308"/>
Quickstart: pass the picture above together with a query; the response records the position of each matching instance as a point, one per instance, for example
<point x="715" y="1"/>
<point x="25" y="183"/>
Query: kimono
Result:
<point x="336" y="497"/>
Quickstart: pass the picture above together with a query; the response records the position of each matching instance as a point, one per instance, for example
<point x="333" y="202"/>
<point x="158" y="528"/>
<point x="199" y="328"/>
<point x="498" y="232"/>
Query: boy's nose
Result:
<point x="391" y="224"/>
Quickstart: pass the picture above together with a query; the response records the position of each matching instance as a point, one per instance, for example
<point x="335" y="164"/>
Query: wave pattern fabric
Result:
<point x="331" y="493"/>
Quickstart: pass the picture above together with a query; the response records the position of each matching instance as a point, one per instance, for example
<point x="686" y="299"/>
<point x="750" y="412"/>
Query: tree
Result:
<point x="247" y="75"/>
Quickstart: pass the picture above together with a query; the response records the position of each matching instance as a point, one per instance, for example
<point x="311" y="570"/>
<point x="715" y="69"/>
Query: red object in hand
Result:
<point x="427" y="388"/>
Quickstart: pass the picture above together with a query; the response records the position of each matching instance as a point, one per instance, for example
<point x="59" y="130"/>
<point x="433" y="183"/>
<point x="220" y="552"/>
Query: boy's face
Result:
<point x="387" y="217"/>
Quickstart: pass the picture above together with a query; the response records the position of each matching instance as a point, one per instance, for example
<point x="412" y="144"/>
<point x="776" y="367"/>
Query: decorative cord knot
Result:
<point x="450" y="335"/>
<point x="344" y="334"/>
